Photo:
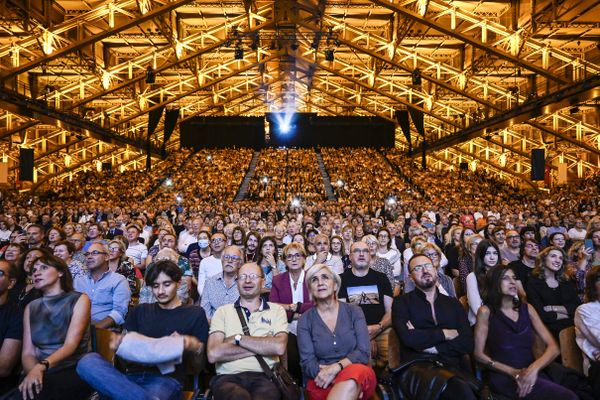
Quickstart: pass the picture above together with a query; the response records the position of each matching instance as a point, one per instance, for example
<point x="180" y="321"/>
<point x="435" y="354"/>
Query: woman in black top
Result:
<point x="552" y="291"/>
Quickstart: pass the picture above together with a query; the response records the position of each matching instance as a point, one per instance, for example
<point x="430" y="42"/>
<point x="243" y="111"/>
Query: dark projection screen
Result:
<point x="221" y="132"/>
<point x="308" y="130"/>
<point x="291" y="130"/>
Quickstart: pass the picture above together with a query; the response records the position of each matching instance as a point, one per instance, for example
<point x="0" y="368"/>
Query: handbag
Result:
<point x="278" y="374"/>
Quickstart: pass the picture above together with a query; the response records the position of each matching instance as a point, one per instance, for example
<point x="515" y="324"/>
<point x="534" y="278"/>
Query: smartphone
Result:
<point x="589" y="244"/>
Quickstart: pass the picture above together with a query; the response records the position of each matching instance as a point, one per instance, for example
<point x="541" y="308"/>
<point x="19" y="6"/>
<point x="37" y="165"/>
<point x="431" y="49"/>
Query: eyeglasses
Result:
<point x="513" y="237"/>
<point x="422" y="267"/>
<point x="217" y="240"/>
<point x="252" y="277"/>
<point x="293" y="256"/>
<point x="94" y="253"/>
<point x="113" y="249"/>
<point x="360" y="251"/>
<point x="227" y="257"/>
<point x="431" y="255"/>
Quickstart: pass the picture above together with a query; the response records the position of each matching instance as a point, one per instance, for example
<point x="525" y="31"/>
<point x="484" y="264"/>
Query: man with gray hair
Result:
<point x="323" y="256"/>
<point x="108" y="291"/>
<point x="222" y="288"/>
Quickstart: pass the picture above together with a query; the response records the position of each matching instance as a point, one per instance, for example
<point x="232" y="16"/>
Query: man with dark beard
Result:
<point x="434" y="334"/>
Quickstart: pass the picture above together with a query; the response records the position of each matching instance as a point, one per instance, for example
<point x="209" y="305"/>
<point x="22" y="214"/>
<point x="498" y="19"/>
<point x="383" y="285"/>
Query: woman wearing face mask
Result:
<point x="198" y="251"/>
<point x="552" y="291"/>
<point x="487" y="256"/>
<point x="250" y="253"/>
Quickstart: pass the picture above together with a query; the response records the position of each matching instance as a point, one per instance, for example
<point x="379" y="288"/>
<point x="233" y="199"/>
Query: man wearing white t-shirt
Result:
<point x="136" y="250"/>
<point x="212" y="265"/>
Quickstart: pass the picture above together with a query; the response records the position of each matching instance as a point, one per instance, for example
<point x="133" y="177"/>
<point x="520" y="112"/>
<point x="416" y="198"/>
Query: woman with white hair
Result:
<point x="334" y="342"/>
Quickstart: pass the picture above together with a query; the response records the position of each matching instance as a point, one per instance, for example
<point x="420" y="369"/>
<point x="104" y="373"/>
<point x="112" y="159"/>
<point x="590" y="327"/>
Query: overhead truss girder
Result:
<point x="133" y="20"/>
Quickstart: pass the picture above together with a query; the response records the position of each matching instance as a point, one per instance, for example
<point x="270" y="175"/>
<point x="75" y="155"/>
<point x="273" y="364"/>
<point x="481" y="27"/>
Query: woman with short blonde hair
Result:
<point x="334" y="342"/>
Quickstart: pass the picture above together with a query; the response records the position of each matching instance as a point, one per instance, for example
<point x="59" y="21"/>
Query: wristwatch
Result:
<point x="237" y="339"/>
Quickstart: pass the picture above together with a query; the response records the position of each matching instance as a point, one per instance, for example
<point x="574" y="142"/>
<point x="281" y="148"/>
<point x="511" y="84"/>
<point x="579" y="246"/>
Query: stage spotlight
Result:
<point x="179" y="198"/>
<point x="208" y="157"/>
<point x="239" y="53"/>
<point x="391" y="200"/>
<point x="340" y="183"/>
<point x="284" y="122"/>
<point x="168" y="182"/>
<point x="285" y="127"/>
<point x="329" y="55"/>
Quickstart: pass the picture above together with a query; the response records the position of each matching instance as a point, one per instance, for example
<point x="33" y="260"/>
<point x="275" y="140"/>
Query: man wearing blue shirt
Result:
<point x="107" y="290"/>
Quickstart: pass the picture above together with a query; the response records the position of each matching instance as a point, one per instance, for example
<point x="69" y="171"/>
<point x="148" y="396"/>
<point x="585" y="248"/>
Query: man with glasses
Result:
<point x="210" y="266"/>
<point x="78" y="240"/>
<point x="444" y="283"/>
<point x="372" y="292"/>
<point x="108" y="291"/>
<point x="512" y="251"/>
<point x="239" y="375"/>
<point x="434" y="327"/>
<point x="221" y="289"/>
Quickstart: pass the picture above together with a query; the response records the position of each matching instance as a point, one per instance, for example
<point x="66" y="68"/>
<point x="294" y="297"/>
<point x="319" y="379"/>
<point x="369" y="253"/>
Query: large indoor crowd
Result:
<point x="434" y="285"/>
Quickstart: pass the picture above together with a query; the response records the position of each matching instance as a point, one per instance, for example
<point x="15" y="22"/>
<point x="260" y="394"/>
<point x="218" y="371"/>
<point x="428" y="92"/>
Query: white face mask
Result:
<point x="203" y="243"/>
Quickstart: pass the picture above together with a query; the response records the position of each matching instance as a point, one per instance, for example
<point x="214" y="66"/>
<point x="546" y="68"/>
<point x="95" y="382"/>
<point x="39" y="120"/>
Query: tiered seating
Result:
<point x="284" y="174"/>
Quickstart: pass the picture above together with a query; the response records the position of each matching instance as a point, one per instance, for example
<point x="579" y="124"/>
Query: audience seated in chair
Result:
<point x="587" y="328"/>
<point x="11" y="329"/>
<point x="334" y="341"/>
<point x="551" y="291"/>
<point x="371" y="291"/>
<point x="435" y="335"/>
<point x="239" y="374"/>
<point x="291" y="292"/>
<point x="222" y="288"/>
<point x="157" y="337"/>
<point x="55" y="335"/>
<point x="108" y="291"/>
<point x="504" y="338"/>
